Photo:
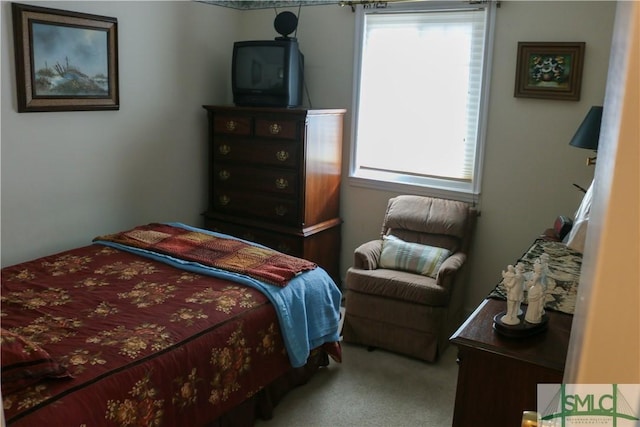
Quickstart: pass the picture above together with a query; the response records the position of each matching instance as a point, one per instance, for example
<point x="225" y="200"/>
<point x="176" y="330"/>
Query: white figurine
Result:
<point x="535" y="296"/>
<point x="543" y="261"/>
<point x="540" y="268"/>
<point x="513" y="294"/>
<point x="520" y="285"/>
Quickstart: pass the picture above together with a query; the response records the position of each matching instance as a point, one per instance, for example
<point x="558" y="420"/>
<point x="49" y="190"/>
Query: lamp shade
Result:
<point x="588" y="134"/>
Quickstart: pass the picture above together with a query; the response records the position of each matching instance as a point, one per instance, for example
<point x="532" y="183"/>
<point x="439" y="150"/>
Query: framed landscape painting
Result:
<point x="65" y="61"/>
<point x="549" y="70"/>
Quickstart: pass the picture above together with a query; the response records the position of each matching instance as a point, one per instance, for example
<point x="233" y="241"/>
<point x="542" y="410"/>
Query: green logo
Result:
<point x="587" y="404"/>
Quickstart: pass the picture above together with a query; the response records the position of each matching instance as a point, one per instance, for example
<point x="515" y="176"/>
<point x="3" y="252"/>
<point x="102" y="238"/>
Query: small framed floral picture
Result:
<point x="549" y="70"/>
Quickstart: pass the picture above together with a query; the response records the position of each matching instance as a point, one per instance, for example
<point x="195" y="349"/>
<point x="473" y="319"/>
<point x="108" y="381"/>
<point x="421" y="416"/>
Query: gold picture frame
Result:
<point x="549" y="70"/>
<point x="65" y="61"/>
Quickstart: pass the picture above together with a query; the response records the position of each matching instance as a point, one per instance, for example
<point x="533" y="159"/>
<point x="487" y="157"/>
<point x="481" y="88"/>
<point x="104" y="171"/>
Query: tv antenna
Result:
<point x="285" y="24"/>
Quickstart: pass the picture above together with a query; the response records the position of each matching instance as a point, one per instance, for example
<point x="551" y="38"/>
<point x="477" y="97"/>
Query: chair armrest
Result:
<point x="366" y="256"/>
<point x="449" y="268"/>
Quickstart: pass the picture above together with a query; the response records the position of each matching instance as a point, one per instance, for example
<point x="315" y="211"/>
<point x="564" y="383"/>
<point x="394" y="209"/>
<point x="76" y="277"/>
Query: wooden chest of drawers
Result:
<point x="498" y="376"/>
<point x="274" y="178"/>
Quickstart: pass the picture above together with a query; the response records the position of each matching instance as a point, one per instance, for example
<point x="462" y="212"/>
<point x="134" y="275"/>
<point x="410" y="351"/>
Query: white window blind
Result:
<point x="419" y="97"/>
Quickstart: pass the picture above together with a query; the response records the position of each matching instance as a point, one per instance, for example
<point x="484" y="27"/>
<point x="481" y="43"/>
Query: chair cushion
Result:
<point x="399" y="285"/>
<point x="413" y="257"/>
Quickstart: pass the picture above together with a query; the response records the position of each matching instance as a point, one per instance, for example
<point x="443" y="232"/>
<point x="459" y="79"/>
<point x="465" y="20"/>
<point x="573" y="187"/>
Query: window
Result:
<point x="420" y="93"/>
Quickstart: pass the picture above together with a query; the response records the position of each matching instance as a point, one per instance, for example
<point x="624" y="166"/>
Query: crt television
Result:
<point x="267" y="73"/>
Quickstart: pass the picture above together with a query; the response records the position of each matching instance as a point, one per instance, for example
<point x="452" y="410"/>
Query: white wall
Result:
<point x="69" y="176"/>
<point x="325" y="35"/>
<point x="529" y="166"/>
<point x="66" y="176"/>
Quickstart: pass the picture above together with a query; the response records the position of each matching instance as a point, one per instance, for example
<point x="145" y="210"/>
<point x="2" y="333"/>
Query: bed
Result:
<point x="163" y="324"/>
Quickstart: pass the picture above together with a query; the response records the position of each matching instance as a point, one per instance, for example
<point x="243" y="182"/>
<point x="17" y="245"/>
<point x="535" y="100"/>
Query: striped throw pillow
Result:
<point x="413" y="257"/>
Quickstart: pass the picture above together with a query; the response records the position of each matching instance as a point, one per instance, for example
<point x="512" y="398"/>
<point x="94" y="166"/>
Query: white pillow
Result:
<point x="578" y="233"/>
<point x="413" y="257"/>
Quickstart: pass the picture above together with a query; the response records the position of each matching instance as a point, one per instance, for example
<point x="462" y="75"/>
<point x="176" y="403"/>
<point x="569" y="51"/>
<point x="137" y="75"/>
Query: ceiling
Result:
<point x="267" y="4"/>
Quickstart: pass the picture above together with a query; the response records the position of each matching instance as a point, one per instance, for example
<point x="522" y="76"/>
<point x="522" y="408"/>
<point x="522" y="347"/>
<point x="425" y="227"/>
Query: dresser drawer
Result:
<point x="290" y="245"/>
<point x="268" y="153"/>
<point x="255" y="205"/>
<point x="285" y="129"/>
<point x="229" y="176"/>
<point x="232" y="125"/>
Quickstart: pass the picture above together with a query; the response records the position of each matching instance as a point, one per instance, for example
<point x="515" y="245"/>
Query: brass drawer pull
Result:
<point x="281" y="210"/>
<point x="281" y="183"/>
<point x="282" y="155"/>
<point x="224" y="175"/>
<point x="224" y="149"/>
<point x="225" y="200"/>
<point x="231" y="125"/>
<point x="275" y="128"/>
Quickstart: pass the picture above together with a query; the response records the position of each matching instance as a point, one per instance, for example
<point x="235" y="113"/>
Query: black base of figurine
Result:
<point x="522" y="329"/>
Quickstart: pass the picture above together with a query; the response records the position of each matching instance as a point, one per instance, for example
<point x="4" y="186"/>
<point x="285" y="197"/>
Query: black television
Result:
<point x="267" y="73"/>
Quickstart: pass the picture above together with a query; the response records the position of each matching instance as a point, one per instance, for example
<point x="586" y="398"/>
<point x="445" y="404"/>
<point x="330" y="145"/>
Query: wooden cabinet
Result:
<point x="274" y="178"/>
<point x="498" y="376"/>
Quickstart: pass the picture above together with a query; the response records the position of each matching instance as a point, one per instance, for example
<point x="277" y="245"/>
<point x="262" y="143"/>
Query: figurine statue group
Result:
<point x="515" y="284"/>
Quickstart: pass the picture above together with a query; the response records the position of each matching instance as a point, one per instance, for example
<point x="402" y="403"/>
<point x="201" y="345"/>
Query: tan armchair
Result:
<point x="404" y="311"/>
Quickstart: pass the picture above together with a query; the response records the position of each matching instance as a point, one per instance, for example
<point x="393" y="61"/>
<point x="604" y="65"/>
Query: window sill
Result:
<point x="462" y="194"/>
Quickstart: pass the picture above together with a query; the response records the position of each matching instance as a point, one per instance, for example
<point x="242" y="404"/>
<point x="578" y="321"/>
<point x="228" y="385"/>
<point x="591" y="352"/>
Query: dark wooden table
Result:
<point x="498" y="375"/>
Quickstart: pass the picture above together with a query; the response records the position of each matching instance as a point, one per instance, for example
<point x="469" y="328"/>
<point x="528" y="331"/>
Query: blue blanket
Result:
<point x="308" y="308"/>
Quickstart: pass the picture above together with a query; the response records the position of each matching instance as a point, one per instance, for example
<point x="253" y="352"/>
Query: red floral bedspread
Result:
<point x="143" y="343"/>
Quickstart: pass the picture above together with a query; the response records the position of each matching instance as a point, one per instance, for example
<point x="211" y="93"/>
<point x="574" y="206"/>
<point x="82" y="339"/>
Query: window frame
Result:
<point x="403" y="183"/>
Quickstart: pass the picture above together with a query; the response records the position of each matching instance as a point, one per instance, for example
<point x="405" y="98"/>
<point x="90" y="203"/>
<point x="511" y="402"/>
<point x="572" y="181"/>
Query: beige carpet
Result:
<point x="376" y="388"/>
